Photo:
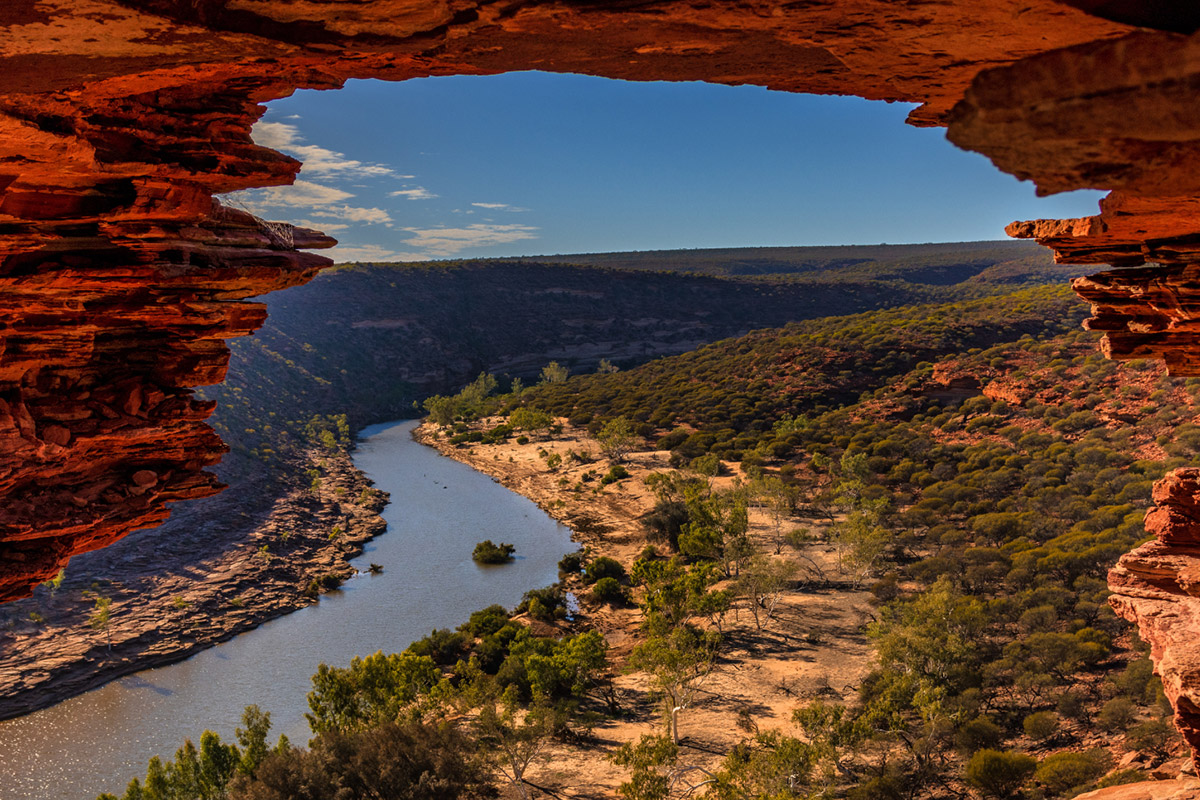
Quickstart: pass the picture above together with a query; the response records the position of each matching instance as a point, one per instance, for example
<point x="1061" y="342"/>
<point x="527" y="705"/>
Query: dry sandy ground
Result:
<point x="815" y="646"/>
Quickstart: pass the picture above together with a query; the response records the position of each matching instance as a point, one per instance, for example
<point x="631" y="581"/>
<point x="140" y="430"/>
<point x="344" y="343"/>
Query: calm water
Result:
<point x="440" y="508"/>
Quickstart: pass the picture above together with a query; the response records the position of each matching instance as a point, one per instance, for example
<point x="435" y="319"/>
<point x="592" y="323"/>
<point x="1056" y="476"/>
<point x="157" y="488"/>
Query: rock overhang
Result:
<point x="121" y="274"/>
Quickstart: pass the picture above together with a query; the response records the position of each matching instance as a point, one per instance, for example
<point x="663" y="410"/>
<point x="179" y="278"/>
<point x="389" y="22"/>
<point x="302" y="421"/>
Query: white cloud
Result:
<point x="317" y="160"/>
<point x="367" y="216"/>
<point x="370" y="252"/>
<point x="418" y="193"/>
<point x="322" y="225"/>
<point x="300" y="193"/>
<point x="448" y="241"/>
<point x="499" y="207"/>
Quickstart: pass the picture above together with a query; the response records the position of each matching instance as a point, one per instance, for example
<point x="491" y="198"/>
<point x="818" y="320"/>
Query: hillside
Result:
<point x="933" y="264"/>
<point x="370" y="340"/>
<point x="981" y="466"/>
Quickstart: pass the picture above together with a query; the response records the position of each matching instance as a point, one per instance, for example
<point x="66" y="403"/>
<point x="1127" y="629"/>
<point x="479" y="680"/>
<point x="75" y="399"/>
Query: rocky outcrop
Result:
<point x="1157" y="587"/>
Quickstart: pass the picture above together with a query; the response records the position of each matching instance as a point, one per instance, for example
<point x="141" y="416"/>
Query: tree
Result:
<point x="678" y="661"/>
<point x="531" y="419"/>
<point x="860" y="544"/>
<point x="441" y="409"/>
<point x="606" y="367"/>
<point x="616" y="439"/>
<point x="253" y="738"/>
<point x="649" y="762"/>
<point x="517" y="737"/>
<point x="769" y="766"/>
<point x="101" y="618"/>
<point x="779" y="498"/>
<point x="372" y="689"/>
<point x="407" y="760"/>
<point x="762" y="582"/>
<point x="554" y="373"/>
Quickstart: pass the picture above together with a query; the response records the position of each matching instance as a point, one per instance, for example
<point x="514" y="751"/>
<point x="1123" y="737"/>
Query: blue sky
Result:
<point x="535" y="163"/>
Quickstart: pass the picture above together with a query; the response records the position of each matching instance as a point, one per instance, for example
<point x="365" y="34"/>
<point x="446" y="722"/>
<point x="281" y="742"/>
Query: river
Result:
<point x="439" y="509"/>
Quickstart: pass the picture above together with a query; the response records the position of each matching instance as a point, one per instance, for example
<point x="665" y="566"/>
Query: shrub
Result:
<point x="572" y="563"/>
<point x="1041" y="726"/>
<point x="979" y="734"/>
<point x="1063" y="772"/>
<point x="1117" y="715"/>
<point x="544" y="604"/>
<point x="604" y="567"/>
<point x="401" y="760"/>
<point x="488" y="552"/>
<point x="1152" y="736"/>
<point x="616" y="473"/>
<point x="1070" y="705"/>
<point x="1121" y="777"/>
<point x="608" y="590"/>
<point x="998" y="773"/>
<point x="485" y="621"/>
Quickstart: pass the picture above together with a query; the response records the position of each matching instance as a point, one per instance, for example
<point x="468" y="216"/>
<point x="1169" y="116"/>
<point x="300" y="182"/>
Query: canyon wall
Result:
<point x="121" y="275"/>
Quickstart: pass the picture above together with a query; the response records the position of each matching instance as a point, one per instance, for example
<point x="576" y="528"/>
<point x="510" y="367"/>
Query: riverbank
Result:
<point x="814" y="647"/>
<point x="166" y="603"/>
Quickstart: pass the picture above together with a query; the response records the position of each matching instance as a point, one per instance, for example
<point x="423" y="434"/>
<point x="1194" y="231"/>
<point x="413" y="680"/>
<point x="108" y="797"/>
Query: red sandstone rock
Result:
<point x="1157" y="587"/>
<point x="1177" y="789"/>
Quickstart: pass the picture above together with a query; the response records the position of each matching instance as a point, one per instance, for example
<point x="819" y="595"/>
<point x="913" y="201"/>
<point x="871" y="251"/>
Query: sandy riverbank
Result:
<point x="814" y="648"/>
<point x="167" y="603"/>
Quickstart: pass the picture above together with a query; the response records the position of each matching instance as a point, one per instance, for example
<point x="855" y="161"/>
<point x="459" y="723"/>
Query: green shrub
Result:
<point x="1041" y="725"/>
<point x="979" y="734"/>
<point x="488" y="552"/>
<point x="1071" y="772"/>
<point x="1116" y="715"/>
<point x="1152" y="736"/>
<point x="608" y="590"/>
<point x="615" y="473"/>
<point x="1122" y="777"/>
<point x="604" y="567"/>
<point x="572" y="563"/>
<point x="485" y="621"/>
<point x="544" y="604"/>
<point x="998" y="773"/>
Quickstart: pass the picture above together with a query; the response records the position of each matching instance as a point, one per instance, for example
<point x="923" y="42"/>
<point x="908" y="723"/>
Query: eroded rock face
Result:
<point x="1157" y="587"/>
<point x="121" y="276"/>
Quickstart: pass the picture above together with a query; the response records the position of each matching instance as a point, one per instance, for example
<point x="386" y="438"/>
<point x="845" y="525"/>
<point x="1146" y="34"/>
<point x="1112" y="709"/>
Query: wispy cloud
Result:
<point x="325" y="226"/>
<point x="300" y="193"/>
<point x="367" y="216"/>
<point x="417" y="193"/>
<point x="317" y="160"/>
<point x="370" y="252"/>
<point x="448" y="241"/>
<point x="499" y="207"/>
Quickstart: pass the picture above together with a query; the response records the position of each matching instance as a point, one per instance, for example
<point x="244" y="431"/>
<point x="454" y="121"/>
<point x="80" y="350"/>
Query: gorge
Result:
<point x="122" y="275"/>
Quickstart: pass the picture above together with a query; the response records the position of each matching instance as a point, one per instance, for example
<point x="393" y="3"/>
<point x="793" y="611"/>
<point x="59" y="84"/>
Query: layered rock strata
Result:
<point x="1157" y="587"/>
